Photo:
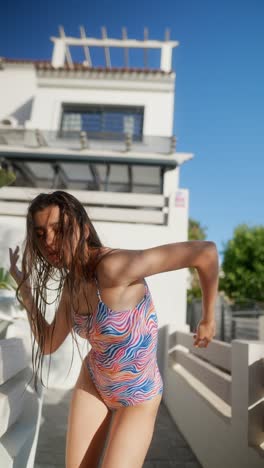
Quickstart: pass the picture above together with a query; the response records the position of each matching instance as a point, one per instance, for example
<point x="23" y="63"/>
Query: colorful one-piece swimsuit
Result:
<point x="122" y="360"/>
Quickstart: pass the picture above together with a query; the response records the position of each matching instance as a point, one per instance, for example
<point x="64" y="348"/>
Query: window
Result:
<point x="99" y="121"/>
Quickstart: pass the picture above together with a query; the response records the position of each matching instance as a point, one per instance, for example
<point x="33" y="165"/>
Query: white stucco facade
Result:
<point x="43" y="90"/>
<point x="42" y="96"/>
<point x="18" y="85"/>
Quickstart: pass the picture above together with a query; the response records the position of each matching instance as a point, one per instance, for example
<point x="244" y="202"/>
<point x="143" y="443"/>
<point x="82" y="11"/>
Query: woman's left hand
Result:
<point x="205" y="331"/>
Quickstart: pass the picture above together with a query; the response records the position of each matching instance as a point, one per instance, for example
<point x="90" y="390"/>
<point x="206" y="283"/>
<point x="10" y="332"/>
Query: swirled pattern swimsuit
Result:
<point x="122" y="361"/>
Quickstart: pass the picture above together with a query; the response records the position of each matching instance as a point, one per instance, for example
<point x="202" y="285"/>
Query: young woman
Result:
<point x="103" y="296"/>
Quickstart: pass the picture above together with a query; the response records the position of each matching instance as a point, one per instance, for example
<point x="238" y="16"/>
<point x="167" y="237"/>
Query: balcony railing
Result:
<point x="101" y="206"/>
<point x="78" y="141"/>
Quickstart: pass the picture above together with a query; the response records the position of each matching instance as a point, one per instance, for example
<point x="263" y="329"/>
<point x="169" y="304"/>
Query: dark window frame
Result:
<point x="102" y="110"/>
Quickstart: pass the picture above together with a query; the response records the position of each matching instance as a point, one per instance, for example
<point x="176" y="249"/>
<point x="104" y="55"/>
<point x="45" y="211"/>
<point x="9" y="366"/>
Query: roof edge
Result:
<point x="46" y="65"/>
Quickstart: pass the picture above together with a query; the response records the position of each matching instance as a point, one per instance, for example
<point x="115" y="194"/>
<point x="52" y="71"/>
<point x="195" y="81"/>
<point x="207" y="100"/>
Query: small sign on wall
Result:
<point x="180" y="199"/>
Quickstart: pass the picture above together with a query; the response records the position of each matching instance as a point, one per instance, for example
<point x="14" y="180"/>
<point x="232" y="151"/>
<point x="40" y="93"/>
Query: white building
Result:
<point x="98" y="132"/>
<point x="106" y="135"/>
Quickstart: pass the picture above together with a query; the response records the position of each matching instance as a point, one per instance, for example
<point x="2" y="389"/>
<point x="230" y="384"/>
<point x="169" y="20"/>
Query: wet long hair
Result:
<point x="38" y="272"/>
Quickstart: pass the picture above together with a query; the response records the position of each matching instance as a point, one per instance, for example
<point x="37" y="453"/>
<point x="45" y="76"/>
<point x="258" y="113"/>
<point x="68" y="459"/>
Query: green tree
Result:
<point x="243" y="264"/>
<point x="195" y="232"/>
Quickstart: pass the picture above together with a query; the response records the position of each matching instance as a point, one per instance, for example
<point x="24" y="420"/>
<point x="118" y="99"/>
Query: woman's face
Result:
<point x="46" y="230"/>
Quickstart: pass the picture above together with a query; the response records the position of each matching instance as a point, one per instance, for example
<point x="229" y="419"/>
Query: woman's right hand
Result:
<point x="14" y="270"/>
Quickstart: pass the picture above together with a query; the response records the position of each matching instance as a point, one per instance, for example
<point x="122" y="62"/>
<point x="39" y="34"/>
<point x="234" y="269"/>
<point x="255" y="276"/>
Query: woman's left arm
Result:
<point x="127" y="266"/>
<point x="203" y="256"/>
<point x="208" y="271"/>
<point x="207" y="267"/>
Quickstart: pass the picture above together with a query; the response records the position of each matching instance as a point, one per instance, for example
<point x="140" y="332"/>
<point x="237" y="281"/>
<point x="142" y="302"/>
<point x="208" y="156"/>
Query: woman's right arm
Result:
<point x="54" y="332"/>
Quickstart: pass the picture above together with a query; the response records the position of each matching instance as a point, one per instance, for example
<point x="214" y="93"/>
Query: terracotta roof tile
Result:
<point x="46" y="65"/>
<point x="33" y="61"/>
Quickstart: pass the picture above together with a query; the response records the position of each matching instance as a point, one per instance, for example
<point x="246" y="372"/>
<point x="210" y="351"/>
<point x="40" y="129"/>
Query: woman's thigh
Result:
<point x="88" y="423"/>
<point x="131" y="434"/>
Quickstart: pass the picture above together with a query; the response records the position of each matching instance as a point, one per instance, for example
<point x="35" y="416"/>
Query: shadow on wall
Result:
<point x="23" y="113"/>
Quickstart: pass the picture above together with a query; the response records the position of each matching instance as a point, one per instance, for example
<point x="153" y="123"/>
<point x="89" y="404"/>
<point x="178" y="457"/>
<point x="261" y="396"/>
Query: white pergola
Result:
<point x="61" y="50"/>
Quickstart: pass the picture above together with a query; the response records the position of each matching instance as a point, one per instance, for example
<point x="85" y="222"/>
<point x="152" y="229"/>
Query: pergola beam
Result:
<point x="106" y="49"/>
<point x="131" y="43"/>
<point x="67" y="50"/>
<point x="145" y="48"/>
<point x="126" y="56"/>
<point x="85" y="48"/>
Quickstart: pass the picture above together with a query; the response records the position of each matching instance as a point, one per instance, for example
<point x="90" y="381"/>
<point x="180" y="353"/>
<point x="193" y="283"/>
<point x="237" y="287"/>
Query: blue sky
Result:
<point x="219" y="101"/>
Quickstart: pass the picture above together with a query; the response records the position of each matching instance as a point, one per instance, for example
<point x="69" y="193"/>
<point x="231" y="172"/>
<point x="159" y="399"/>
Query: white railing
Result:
<point x="80" y="140"/>
<point x="101" y="206"/>
<point x="216" y="397"/>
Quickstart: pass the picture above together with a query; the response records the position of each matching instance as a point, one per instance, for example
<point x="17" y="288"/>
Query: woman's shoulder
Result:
<point x="113" y="256"/>
<point x="105" y="255"/>
<point x="112" y="264"/>
<point x="105" y="258"/>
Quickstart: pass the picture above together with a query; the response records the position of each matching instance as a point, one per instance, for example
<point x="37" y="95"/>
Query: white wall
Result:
<point x="19" y="84"/>
<point x="156" y="95"/>
<point x="158" y="106"/>
<point x="168" y="289"/>
<point x="17" y="88"/>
